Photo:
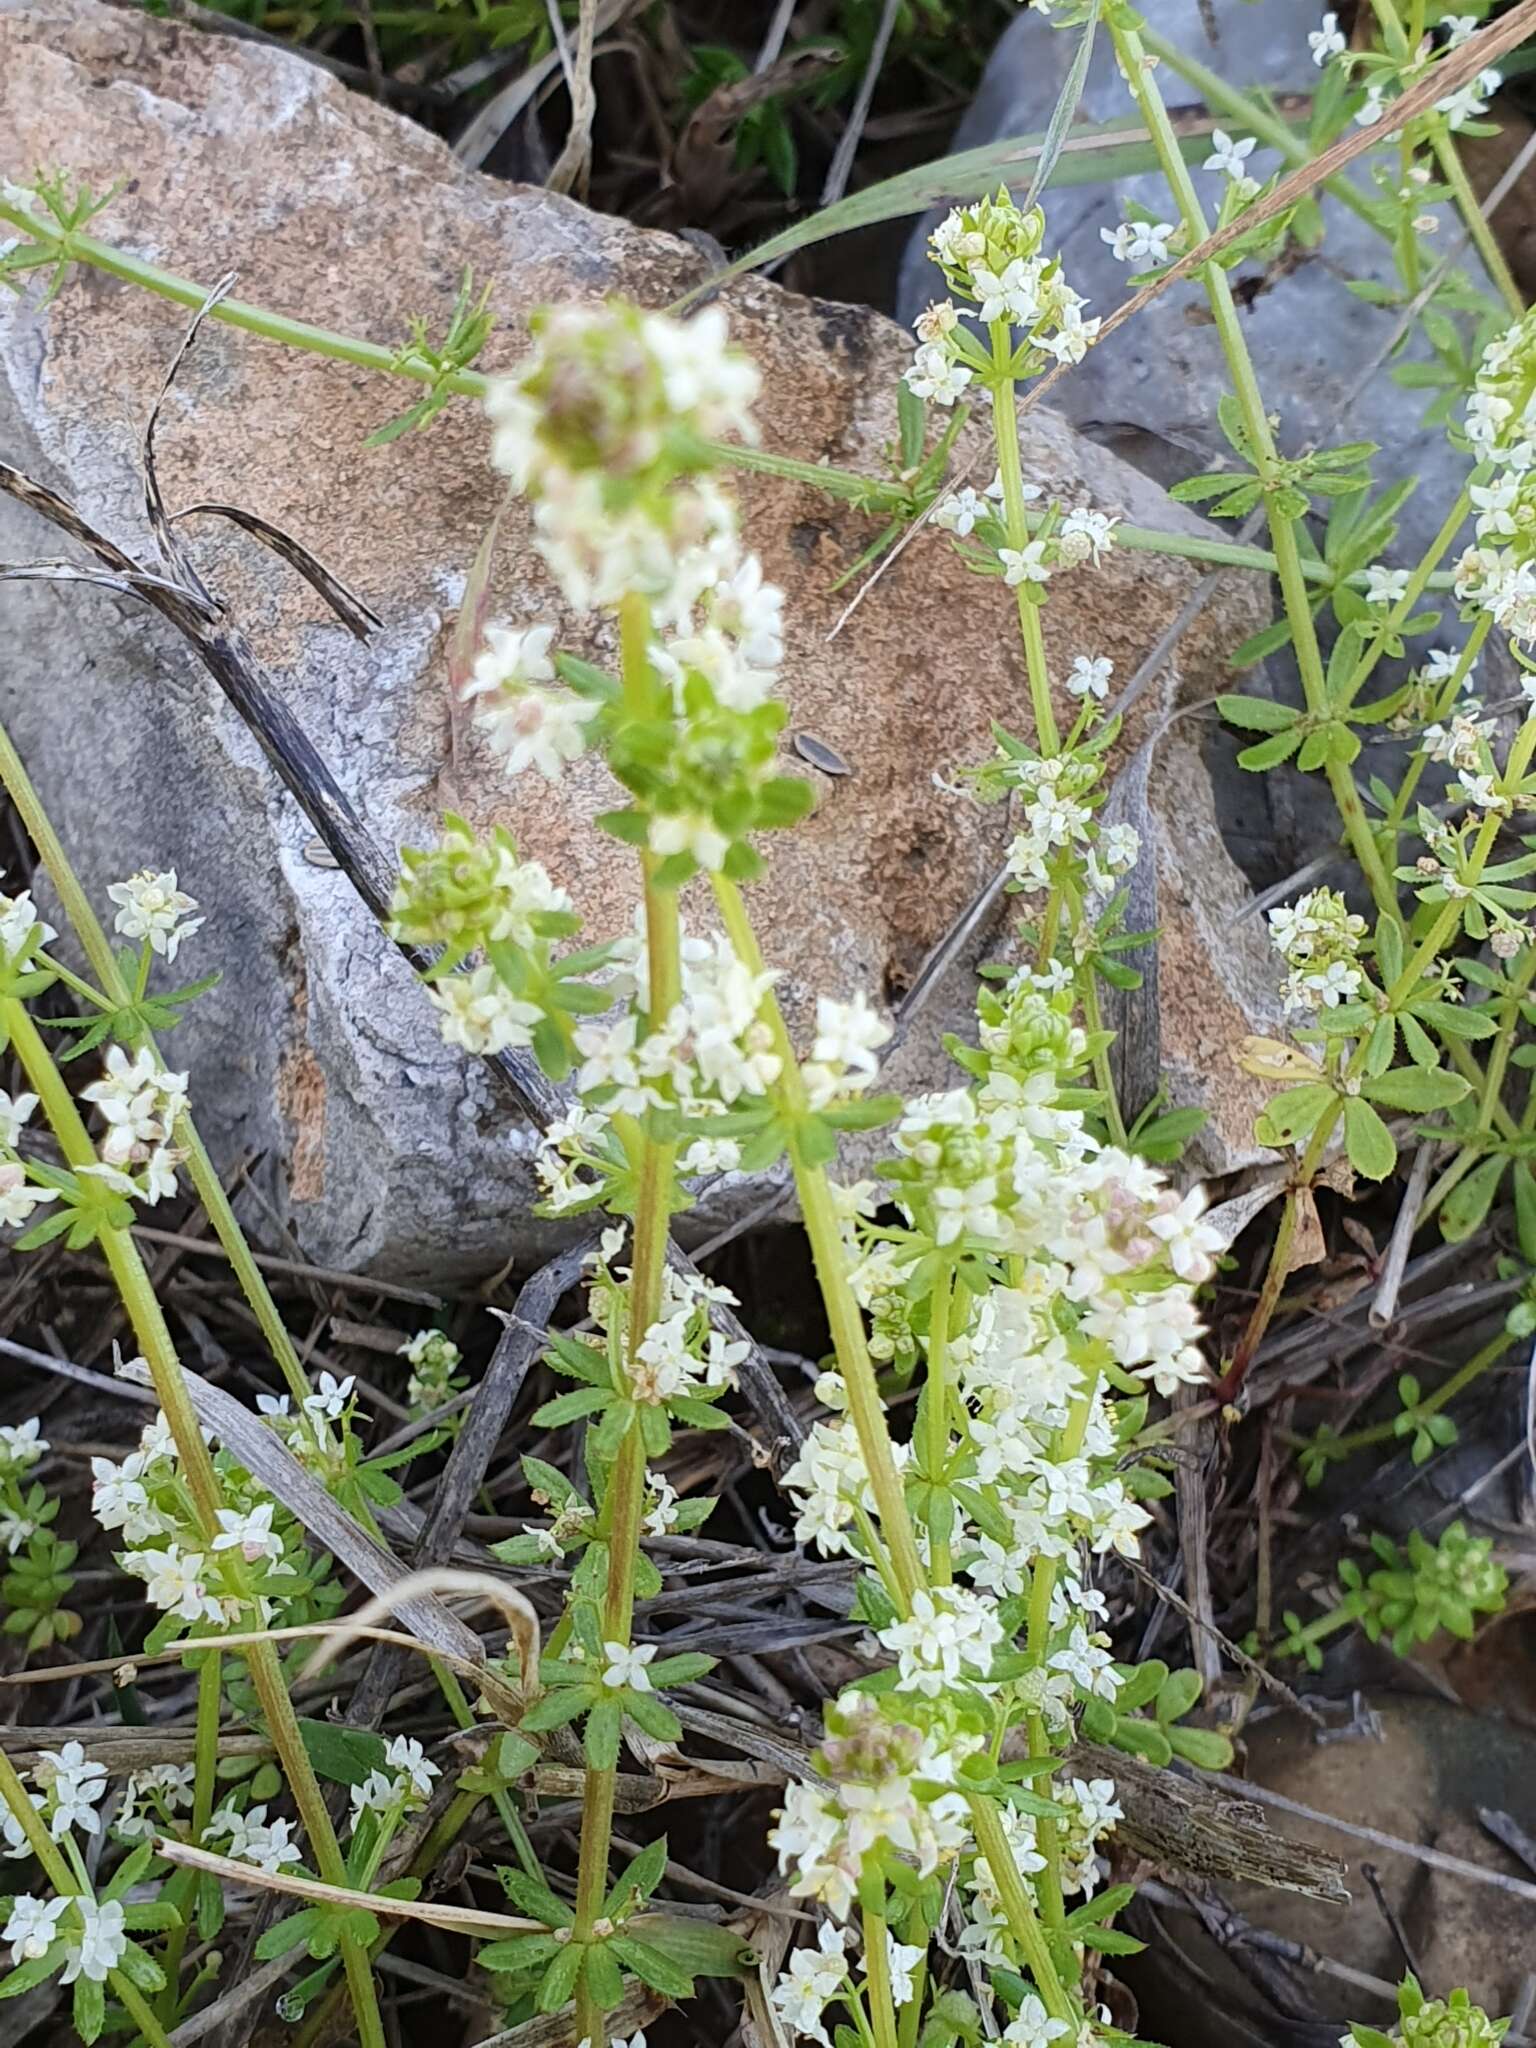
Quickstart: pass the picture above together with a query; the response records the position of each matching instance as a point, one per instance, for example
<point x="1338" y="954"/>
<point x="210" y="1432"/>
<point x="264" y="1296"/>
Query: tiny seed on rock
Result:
<point x="820" y="755"/>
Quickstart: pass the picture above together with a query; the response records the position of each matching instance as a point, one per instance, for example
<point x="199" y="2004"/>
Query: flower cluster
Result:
<point x="1498" y="572"/>
<point x="1386" y="74"/>
<point x="608" y="427"/>
<point x="883" y="1783"/>
<point x="151" y="907"/>
<point x="140" y="1101"/>
<point x="1318" y="937"/>
<point x="434" y="1360"/>
<point x="405" y="1786"/>
<point x="991" y="259"/>
<point x="254" y="1561"/>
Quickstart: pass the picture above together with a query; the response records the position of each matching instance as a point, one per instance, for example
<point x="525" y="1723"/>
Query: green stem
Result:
<point x="624" y="1499"/>
<point x="138" y="2009"/>
<point x="1005" y="421"/>
<point x="936" y="1409"/>
<point x="877" y="1978"/>
<point x="1442" y="1397"/>
<point x="98" y="950"/>
<point x="843" y="1315"/>
<point x="1019" y="1909"/>
<point x="1103" y="1074"/>
<point x="1448" y="157"/>
<point x="185" y="1883"/>
<point x="1282" y="529"/>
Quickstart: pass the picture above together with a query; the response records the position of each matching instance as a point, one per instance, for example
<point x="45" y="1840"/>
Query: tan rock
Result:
<point x="316" y="1048"/>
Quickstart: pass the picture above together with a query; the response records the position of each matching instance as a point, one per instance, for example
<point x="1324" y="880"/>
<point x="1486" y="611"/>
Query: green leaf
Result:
<point x="1178" y="1692"/>
<point x="1271" y="752"/>
<point x="1256" y="714"/>
<point x="1207" y="1748"/>
<point x="1525" y="1210"/>
<point x="1367" y="1141"/>
<point x="559" y="1980"/>
<point x="343" y="1756"/>
<point x="1293" y="1114"/>
<point x="652" y="1966"/>
<point x="289" y="1933"/>
<point x="642" y="1877"/>
<point x="573" y="1406"/>
<point x="1416" y="1088"/>
<point x="1453" y="1020"/>
<point x="1470" y="1200"/>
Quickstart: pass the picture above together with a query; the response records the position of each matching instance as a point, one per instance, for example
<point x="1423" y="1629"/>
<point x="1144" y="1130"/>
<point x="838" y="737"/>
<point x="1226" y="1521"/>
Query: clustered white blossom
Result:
<point x="404" y="1787"/>
<point x="1387" y="77"/>
<point x="1498" y="572"/>
<point x="151" y="906"/>
<point x="990" y="254"/>
<point x="140" y="1102"/>
<point x="94" y="1940"/>
<point x="196" y="1580"/>
<point x="1318" y="937"/>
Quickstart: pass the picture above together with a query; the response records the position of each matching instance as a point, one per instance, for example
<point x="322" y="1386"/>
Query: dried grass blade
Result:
<point x="360" y="619"/>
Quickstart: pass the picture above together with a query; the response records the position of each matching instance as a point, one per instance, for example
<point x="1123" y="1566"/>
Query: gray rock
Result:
<point x="317" y="1050"/>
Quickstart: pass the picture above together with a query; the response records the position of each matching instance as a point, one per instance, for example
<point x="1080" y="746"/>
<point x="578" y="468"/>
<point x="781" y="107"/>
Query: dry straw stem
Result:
<point x="1454" y="70"/>
<point x="514" y="1609"/>
<point x="458" y="1919"/>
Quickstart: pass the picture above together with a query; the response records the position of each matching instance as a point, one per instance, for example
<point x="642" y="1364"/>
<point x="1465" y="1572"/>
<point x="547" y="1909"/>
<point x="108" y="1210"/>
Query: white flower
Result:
<point x="1229" y="158"/>
<point x="848" y="1035"/>
<point x="1384" y="586"/>
<point x="330" y="1397"/>
<point x="1026" y="564"/>
<point x="814" y="1977"/>
<point x="252" y="1534"/>
<point x="478" y="1012"/>
<point x="951" y="1634"/>
<point x="21" y="1445"/>
<point x="1090" y="676"/>
<point x="74" y="1787"/>
<point x="540" y="729"/>
<point x="933" y="375"/>
<point x="103" y="1938"/>
<point x="119" y="1499"/>
<point x="900" y="1962"/>
<point x="1371" y="108"/>
<point x="378" y="1793"/>
<point x="253" y="1838"/>
<point x="408" y="1757"/>
<point x="511" y="657"/>
<point x="19" y="1196"/>
<point x="14" y="1112"/>
<point x="959" y="512"/>
<point x="32" y="1928"/>
<point x="624" y="1666"/>
<point x="1032" y="2026"/>
<point x="140" y="1101"/>
<point x="159" y="1786"/>
<point x="1327" y="40"/>
<point x="173" y="1580"/>
<point x="1084" y="533"/>
<point x="154" y="908"/>
<point x="18" y="922"/>
<point x="16" y="1843"/>
<point x="1139" y="241"/>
